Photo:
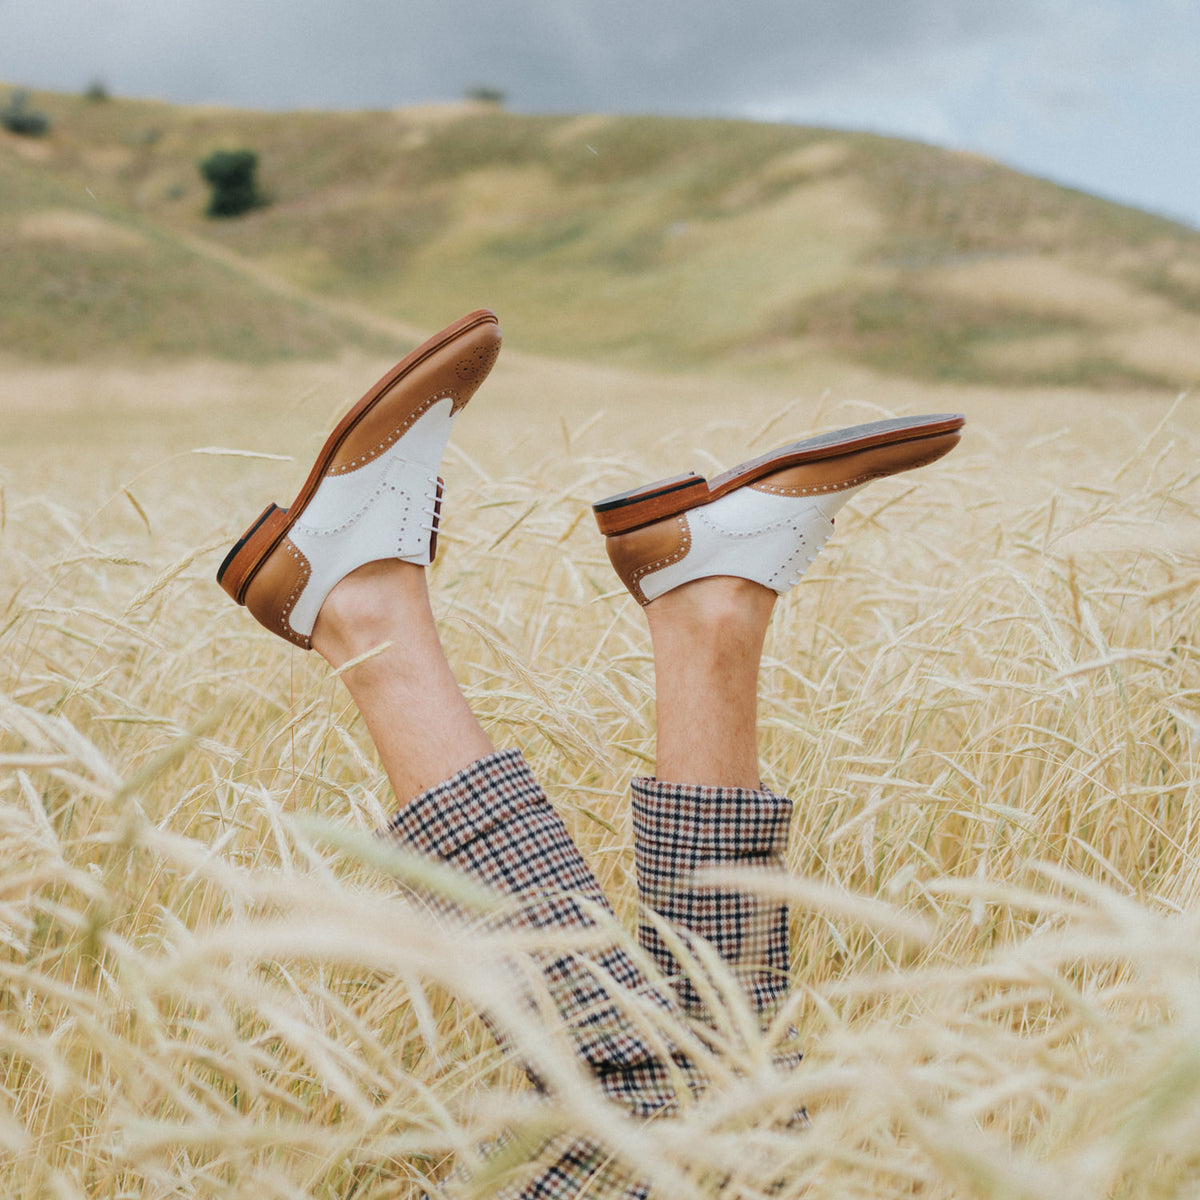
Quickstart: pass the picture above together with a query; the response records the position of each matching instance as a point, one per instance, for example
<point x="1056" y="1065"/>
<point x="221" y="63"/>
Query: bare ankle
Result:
<point x="368" y="607"/>
<point x="719" y="605"/>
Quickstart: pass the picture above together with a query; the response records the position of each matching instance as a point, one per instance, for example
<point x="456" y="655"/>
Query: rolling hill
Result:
<point x="647" y="242"/>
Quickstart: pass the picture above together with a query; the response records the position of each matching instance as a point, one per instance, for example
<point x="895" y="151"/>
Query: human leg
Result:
<point x="379" y="620"/>
<point x="341" y="570"/>
<point x="706" y="560"/>
<point x="483" y="813"/>
<point x="707" y="639"/>
<point x="706" y="807"/>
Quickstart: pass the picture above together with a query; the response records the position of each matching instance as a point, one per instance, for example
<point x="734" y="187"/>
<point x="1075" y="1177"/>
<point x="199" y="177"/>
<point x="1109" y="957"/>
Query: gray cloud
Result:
<point x="1099" y="93"/>
<point x="616" y="55"/>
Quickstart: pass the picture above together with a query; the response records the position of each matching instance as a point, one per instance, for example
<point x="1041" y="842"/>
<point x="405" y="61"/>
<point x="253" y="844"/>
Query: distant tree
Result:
<point x="231" y="175"/>
<point x="96" y="92"/>
<point x="486" y="95"/>
<point x="18" y="117"/>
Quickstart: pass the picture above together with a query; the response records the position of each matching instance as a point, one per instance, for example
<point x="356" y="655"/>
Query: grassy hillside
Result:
<point x="86" y="274"/>
<point x="646" y="241"/>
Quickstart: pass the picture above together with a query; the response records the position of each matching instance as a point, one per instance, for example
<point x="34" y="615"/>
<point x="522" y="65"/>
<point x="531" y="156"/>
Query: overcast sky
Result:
<point x="1100" y="94"/>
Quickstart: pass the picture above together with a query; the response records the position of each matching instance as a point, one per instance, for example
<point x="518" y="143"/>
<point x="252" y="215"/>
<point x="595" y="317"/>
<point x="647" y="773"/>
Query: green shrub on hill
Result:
<point x="232" y="176"/>
<point x="17" y="117"/>
<point x="483" y="94"/>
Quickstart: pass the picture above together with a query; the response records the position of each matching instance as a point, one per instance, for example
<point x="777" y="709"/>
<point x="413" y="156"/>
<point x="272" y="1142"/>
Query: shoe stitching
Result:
<point x="285" y="612"/>
<point x="305" y="567"/>
<point x="370" y="455"/>
<point x="430" y="528"/>
<point x="639" y="573"/>
<point x="789" y="564"/>
<point x="470" y="368"/>
<point x="385" y="485"/>
<point x="667" y="560"/>
<point x="722" y="531"/>
<point x="792" y="564"/>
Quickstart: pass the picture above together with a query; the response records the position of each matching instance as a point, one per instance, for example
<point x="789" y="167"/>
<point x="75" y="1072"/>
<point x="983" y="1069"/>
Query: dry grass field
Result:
<point x="984" y="698"/>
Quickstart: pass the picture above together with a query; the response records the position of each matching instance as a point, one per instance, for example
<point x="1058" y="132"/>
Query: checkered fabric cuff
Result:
<point x="706" y="825"/>
<point x="678" y="831"/>
<point x="493" y="822"/>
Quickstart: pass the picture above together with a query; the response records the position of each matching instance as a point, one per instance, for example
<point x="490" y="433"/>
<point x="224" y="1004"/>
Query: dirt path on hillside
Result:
<point x="345" y="310"/>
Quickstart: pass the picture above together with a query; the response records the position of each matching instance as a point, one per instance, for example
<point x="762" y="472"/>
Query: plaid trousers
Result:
<point x="493" y="822"/>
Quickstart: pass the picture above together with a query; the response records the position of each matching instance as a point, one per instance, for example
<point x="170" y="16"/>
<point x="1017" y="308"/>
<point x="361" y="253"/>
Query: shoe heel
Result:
<point x="241" y="563"/>
<point x="652" y="502"/>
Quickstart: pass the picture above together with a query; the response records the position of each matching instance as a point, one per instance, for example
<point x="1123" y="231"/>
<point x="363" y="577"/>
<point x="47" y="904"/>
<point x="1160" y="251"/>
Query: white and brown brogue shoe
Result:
<point x="373" y="492"/>
<point x="764" y="520"/>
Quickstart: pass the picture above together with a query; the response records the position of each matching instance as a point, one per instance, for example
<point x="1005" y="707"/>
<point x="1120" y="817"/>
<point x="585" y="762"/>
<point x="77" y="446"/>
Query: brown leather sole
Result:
<point x="836" y="460"/>
<point x="255" y="546"/>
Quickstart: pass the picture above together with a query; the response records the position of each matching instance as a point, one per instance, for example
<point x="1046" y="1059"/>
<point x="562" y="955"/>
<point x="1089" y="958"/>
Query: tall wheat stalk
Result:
<point x="984" y="700"/>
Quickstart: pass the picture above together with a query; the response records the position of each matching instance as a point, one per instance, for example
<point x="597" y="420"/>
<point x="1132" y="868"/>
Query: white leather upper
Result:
<point x="378" y="511"/>
<point x="754" y="535"/>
